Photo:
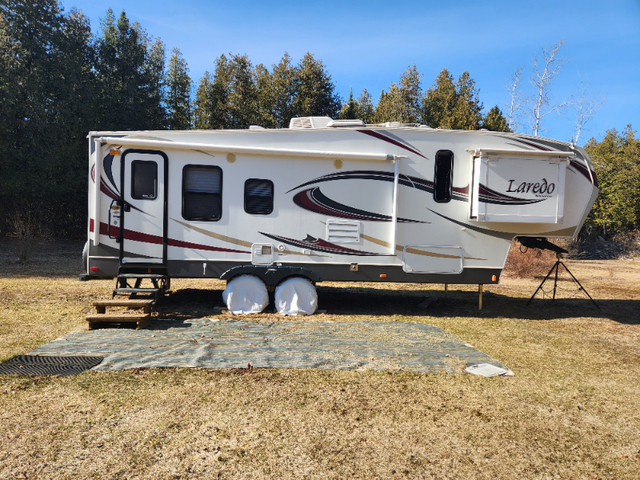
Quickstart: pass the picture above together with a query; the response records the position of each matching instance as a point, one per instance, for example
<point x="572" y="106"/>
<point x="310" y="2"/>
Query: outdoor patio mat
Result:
<point x="212" y="343"/>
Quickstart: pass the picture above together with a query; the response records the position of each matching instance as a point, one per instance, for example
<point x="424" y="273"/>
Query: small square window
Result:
<point x="144" y="184"/>
<point x="258" y="196"/>
<point x="201" y="193"/>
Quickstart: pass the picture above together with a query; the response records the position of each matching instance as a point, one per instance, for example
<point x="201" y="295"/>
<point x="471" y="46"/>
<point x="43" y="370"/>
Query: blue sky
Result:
<point x="368" y="44"/>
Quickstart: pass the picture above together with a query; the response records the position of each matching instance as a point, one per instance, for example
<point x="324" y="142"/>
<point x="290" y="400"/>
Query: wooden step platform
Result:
<point x="140" y="318"/>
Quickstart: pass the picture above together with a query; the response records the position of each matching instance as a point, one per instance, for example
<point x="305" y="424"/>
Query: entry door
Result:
<point x="143" y="233"/>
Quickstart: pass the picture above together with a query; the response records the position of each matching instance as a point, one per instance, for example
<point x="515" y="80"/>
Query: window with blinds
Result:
<point x="201" y="193"/>
<point x="144" y="183"/>
<point x="258" y="196"/>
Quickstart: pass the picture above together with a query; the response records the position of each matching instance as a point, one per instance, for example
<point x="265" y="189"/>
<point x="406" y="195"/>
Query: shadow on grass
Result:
<point x="183" y="305"/>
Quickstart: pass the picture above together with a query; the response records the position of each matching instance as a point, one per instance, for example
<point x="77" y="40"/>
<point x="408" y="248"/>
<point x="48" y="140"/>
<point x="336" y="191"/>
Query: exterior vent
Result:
<point x="306" y="123"/>
<point x="346" y="123"/>
<point x="343" y="231"/>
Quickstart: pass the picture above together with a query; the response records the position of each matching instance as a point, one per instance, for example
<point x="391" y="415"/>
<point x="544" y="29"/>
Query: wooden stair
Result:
<point x="131" y="284"/>
<point x="140" y="318"/>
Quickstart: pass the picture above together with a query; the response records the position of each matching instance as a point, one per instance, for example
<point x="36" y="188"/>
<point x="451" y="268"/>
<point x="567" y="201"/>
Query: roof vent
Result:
<point x="303" y="123"/>
<point x="346" y="123"/>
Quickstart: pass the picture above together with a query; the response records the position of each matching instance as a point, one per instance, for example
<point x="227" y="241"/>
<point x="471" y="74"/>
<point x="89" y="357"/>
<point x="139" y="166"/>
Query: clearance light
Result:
<point x="94" y="269"/>
<point x="114" y="152"/>
<point x="383" y="275"/>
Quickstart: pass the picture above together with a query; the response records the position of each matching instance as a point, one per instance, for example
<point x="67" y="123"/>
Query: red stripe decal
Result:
<point x="157" y="240"/>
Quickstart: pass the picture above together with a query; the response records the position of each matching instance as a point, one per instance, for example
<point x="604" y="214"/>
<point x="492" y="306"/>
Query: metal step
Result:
<point x="134" y="292"/>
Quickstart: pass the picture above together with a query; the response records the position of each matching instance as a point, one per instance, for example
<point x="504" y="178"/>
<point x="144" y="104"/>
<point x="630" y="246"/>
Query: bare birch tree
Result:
<point x="516" y="99"/>
<point x="543" y="74"/>
<point x="586" y="108"/>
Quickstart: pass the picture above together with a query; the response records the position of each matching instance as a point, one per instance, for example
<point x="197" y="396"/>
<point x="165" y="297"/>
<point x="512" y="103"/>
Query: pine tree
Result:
<point x="349" y="109"/>
<point x="402" y="102"/>
<point x="316" y="92"/>
<point x="45" y="112"/>
<point x="202" y="104"/>
<point x="130" y="70"/>
<point x="439" y="102"/>
<point x="495" y="121"/>
<point x="616" y="160"/>
<point x="178" y="98"/>
<point x="452" y="105"/>
<point x="284" y="88"/>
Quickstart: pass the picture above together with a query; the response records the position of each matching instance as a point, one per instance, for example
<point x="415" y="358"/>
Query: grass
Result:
<point x="571" y="411"/>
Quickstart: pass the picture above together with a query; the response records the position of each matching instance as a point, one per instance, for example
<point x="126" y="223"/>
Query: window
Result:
<point x="144" y="184"/>
<point x="201" y="193"/>
<point x="258" y="196"/>
<point x="442" y="176"/>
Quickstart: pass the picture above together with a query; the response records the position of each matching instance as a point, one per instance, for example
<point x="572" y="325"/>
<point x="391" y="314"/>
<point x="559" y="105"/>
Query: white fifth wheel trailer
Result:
<point x="327" y="200"/>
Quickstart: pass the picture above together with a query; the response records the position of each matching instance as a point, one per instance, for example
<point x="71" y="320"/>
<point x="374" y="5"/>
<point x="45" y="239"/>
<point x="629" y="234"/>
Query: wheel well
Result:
<point x="271" y="275"/>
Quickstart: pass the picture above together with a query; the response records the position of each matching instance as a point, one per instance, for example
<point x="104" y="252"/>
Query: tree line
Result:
<point x="58" y="81"/>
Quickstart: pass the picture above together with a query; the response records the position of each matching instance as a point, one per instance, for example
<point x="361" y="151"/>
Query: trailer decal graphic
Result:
<point x="313" y="243"/>
<point x="107" y="166"/>
<point x="157" y="240"/>
<point x="414" y="251"/>
<point x="104" y="188"/>
<point x="486" y="231"/>
<point x="590" y="174"/>
<point x="573" y="162"/>
<point x="488" y="195"/>
<point x="392" y="139"/>
<point x="315" y="201"/>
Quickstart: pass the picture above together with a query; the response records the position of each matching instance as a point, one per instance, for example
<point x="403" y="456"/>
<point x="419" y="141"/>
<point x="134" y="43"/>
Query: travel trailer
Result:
<point x="326" y="200"/>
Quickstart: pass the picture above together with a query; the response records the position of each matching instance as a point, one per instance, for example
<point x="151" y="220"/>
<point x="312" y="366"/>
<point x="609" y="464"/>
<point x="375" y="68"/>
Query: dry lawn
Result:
<point x="571" y="411"/>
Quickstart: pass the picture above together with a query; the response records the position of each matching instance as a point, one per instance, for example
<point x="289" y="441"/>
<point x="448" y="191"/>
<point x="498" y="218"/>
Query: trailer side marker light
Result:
<point x="494" y="278"/>
<point x="94" y="269"/>
<point x="114" y="152"/>
<point x="383" y="275"/>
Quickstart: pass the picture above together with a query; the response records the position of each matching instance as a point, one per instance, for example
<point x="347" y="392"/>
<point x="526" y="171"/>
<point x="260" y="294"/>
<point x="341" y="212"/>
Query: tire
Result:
<point x="296" y="296"/>
<point x="245" y="294"/>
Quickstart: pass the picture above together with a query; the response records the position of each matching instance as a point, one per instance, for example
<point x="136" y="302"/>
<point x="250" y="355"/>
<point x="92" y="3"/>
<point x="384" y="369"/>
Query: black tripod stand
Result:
<point x="555" y="269"/>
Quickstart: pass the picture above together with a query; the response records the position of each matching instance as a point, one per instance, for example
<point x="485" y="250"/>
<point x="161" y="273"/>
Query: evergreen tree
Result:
<point x="452" y="105"/>
<point x="45" y="107"/>
<point x="316" y="92"/>
<point x="360" y="108"/>
<point x="364" y="107"/>
<point x="284" y="91"/>
<point x="467" y="112"/>
<point x="402" y="102"/>
<point x="389" y="107"/>
<point x="349" y="109"/>
<point x="242" y="93"/>
<point x="201" y="104"/>
<point x="265" y="97"/>
<point x="616" y="160"/>
<point x="178" y="99"/>
<point x="439" y="102"/>
<point x="154" y="84"/>
<point x="130" y="71"/>
<point x="495" y="121"/>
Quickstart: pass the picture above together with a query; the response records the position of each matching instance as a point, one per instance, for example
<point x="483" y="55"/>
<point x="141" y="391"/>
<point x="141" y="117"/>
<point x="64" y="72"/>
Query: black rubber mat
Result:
<point x="48" y="365"/>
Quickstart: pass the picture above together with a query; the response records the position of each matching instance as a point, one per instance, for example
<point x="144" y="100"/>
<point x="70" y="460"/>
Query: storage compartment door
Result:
<point x="432" y="259"/>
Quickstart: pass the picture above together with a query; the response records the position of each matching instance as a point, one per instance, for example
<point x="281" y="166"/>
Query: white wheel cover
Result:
<point x="246" y="294"/>
<point x="296" y="296"/>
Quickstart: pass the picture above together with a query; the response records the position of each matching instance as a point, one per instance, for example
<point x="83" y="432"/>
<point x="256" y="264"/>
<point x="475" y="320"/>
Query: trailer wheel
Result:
<point x="245" y="294"/>
<point x="296" y="296"/>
